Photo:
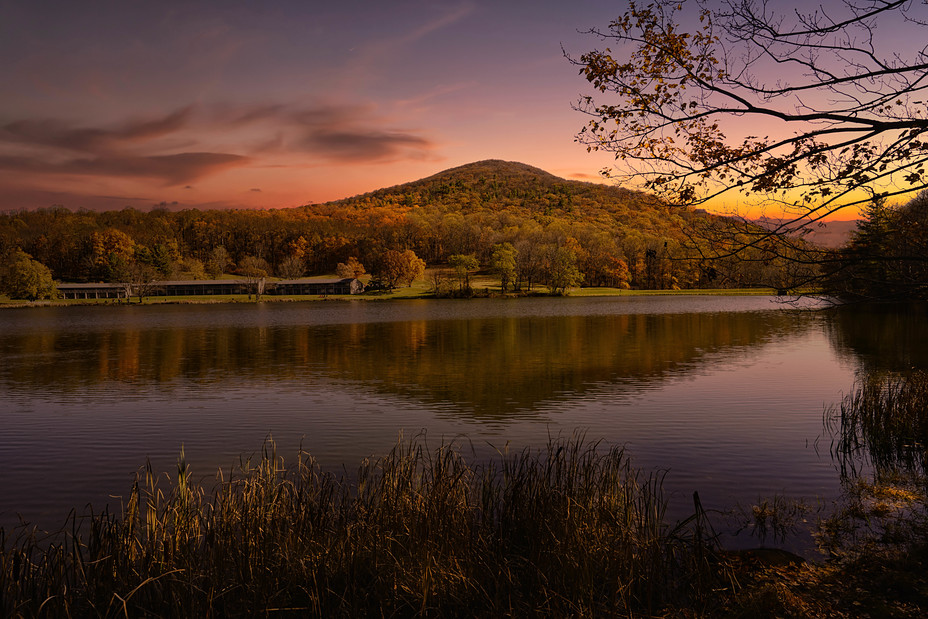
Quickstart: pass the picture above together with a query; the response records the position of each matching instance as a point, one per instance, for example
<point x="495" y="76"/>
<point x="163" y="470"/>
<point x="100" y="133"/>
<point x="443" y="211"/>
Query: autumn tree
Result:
<point x="503" y="264"/>
<point x="561" y="270"/>
<point x="400" y="266"/>
<point x="616" y="272"/>
<point x="138" y="279"/>
<point x="463" y="265"/>
<point x="529" y="262"/>
<point x="441" y="284"/>
<point x="191" y="267"/>
<point x="391" y="268"/>
<point x="108" y="250"/>
<point x="218" y="262"/>
<point x="298" y="248"/>
<point x="811" y="112"/>
<point x="163" y="255"/>
<point x="291" y="267"/>
<point x="350" y="269"/>
<point x="294" y="265"/>
<point x="254" y="270"/>
<point x="415" y="267"/>
<point x="25" y="278"/>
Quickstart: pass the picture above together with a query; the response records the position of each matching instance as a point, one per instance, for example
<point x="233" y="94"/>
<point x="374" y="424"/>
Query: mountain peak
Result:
<point x="497" y="186"/>
<point x="495" y="168"/>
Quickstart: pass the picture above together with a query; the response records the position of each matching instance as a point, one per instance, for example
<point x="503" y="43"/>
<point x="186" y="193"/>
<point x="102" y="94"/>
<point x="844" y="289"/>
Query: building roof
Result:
<point x="344" y="280"/>
<point x="208" y="282"/>
<point x="89" y="286"/>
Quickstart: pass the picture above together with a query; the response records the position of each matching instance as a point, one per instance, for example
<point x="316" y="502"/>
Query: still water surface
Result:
<point x="726" y="394"/>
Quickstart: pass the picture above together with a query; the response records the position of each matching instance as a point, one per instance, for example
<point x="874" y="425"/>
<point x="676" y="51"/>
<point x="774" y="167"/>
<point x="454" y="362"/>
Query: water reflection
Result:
<point x="881" y="425"/>
<point x="494" y="366"/>
<point x="883" y="338"/>
<point x="726" y="393"/>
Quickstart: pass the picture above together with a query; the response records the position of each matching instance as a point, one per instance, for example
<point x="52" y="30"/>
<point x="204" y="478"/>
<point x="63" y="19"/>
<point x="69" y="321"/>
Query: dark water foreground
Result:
<point x="724" y="394"/>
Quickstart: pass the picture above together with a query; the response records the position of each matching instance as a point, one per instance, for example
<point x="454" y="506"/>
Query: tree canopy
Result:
<point x="814" y="110"/>
<point x="25" y="278"/>
<point x="614" y="236"/>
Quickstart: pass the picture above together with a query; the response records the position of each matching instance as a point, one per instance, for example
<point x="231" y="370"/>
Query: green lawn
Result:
<point x="482" y="284"/>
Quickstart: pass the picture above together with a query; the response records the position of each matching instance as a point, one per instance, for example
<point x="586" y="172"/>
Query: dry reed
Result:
<point x="571" y="529"/>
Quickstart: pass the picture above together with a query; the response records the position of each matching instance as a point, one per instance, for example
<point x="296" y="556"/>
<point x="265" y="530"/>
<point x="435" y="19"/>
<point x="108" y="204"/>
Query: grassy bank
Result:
<point x="570" y="530"/>
<point x="419" y="290"/>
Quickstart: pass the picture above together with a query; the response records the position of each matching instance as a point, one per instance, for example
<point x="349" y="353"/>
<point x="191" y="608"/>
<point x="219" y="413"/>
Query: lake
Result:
<point x="724" y="394"/>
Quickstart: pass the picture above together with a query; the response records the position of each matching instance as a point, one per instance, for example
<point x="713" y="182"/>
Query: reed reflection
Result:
<point x="882" y="423"/>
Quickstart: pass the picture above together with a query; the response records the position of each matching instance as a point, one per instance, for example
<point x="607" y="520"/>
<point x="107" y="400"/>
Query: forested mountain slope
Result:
<point x="607" y="235"/>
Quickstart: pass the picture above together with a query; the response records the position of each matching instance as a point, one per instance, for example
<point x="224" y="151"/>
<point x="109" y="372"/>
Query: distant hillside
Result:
<point x="495" y="184"/>
<point x="612" y="235"/>
<point x="527" y="191"/>
<point x="551" y="232"/>
<point x="830" y="234"/>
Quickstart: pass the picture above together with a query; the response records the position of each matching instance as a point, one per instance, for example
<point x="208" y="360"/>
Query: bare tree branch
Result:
<point x="834" y="89"/>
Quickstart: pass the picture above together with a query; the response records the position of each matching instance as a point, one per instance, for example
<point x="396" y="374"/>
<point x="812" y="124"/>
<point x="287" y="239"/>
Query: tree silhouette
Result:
<point x="887" y="257"/>
<point x="812" y="112"/>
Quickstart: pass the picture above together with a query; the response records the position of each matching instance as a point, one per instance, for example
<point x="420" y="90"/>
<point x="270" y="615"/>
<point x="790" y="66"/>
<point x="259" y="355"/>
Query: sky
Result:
<point x="234" y="104"/>
<point x="245" y="104"/>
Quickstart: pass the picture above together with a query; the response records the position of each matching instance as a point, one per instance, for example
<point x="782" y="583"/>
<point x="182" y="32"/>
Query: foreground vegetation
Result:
<point x="567" y="531"/>
<point x="570" y="530"/>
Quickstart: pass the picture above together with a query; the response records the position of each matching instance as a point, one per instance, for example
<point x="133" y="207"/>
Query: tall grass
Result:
<point x="882" y="425"/>
<point x="571" y="529"/>
<point x="885" y="422"/>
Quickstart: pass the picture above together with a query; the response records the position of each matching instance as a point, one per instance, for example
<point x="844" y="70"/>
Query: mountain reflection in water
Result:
<point x="489" y="366"/>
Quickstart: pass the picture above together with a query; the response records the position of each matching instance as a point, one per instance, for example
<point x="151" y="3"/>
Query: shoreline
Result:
<point x="401" y="294"/>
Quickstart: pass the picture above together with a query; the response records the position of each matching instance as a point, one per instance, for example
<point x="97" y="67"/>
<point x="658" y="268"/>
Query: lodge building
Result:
<point x="198" y="287"/>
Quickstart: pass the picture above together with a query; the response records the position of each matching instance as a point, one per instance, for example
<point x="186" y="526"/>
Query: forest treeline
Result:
<point x="527" y="226"/>
<point x="886" y="259"/>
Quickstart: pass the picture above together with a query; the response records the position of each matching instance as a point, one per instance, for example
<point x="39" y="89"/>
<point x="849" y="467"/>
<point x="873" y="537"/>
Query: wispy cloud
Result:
<point x="375" y="52"/>
<point x="366" y="146"/>
<point x="190" y="143"/>
<point x="336" y="133"/>
<point x="56" y="147"/>
<point x="176" y="169"/>
<point x="583" y="176"/>
<point x="438" y="92"/>
<point x="443" y="21"/>
<point x="55" y="133"/>
<point x="356" y="135"/>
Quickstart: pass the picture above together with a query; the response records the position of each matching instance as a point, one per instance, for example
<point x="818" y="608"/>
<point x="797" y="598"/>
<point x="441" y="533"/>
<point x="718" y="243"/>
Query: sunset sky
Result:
<point x="219" y="104"/>
<point x="243" y="104"/>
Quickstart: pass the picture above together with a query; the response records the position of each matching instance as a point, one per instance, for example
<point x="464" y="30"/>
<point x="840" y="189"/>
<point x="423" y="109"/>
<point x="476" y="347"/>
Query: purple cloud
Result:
<point x="364" y="145"/>
<point x="50" y="146"/>
<point x="349" y="133"/>
<point x="54" y="133"/>
<point x="148" y="148"/>
<point x="174" y="169"/>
